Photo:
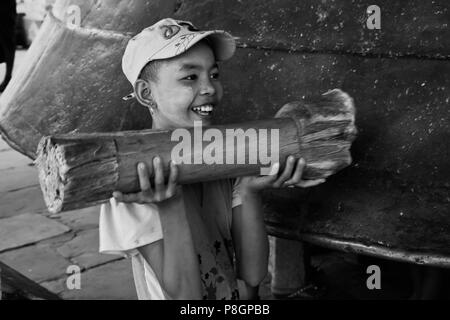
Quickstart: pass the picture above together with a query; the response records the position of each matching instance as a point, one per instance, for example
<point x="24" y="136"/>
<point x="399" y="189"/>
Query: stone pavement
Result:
<point x="42" y="246"/>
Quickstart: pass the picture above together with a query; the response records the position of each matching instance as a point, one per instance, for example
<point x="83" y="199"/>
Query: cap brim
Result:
<point x="222" y="42"/>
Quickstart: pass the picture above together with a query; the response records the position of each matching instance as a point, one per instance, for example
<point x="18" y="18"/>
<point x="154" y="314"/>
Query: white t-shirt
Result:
<point x="124" y="227"/>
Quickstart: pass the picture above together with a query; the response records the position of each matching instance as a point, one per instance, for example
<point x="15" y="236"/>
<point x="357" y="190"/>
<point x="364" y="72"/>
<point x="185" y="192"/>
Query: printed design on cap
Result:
<point x="188" y="25"/>
<point x="184" y="41"/>
<point x="169" y="31"/>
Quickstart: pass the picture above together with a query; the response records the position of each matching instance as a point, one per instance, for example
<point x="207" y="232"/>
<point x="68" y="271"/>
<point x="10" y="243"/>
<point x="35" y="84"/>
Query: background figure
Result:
<point x="8" y="15"/>
<point x="287" y="266"/>
<point x="293" y="276"/>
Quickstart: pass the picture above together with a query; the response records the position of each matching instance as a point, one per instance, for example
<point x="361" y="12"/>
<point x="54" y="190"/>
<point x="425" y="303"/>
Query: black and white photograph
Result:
<point x="248" y="150"/>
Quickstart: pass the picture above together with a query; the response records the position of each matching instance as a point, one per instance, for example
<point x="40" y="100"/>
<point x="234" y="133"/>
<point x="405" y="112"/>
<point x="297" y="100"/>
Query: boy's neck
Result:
<point x="158" y="126"/>
<point x="162" y="126"/>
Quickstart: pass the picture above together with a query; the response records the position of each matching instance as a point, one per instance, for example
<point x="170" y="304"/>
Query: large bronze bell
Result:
<point x="392" y="202"/>
<point x="72" y="79"/>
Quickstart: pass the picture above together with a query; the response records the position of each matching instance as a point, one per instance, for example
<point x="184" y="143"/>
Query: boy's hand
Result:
<point x="291" y="177"/>
<point x="147" y="195"/>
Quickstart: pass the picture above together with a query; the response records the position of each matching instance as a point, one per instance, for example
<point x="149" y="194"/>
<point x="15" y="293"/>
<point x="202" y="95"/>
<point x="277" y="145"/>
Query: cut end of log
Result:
<point x="76" y="172"/>
<point x="345" y="105"/>
<point x="327" y="128"/>
<point x="51" y="174"/>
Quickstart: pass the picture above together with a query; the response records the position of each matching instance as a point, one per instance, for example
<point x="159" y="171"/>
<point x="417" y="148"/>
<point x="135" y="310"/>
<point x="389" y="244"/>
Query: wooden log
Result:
<point x="84" y="169"/>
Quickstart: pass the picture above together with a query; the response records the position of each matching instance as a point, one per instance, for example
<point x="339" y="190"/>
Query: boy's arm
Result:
<point x="173" y="259"/>
<point x="250" y="241"/>
<point x="248" y="228"/>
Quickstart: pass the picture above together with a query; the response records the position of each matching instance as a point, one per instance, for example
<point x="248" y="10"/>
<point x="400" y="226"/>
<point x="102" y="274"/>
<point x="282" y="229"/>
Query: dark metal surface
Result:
<point x="395" y="196"/>
<point x="374" y="214"/>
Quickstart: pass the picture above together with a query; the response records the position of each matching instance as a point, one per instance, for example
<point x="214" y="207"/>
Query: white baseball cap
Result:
<point x="166" y="39"/>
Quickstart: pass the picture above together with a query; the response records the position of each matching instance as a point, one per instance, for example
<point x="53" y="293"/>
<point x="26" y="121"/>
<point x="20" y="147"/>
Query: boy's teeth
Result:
<point x="204" y="108"/>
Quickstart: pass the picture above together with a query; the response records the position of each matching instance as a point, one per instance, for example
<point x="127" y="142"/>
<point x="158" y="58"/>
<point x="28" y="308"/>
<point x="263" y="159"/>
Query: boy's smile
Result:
<point x="188" y="89"/>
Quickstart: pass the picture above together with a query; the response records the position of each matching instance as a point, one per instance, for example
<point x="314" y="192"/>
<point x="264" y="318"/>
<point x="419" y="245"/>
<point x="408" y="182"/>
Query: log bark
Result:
<point x="82" y="170"/>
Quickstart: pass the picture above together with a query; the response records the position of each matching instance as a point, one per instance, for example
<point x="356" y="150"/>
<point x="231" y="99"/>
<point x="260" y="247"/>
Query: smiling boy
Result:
<point x="191" y="241"/>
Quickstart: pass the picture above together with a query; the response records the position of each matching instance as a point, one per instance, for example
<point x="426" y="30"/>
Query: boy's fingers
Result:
<point x="117" y="195"/>
<point x="144" y="180"/>
<point x="159" y="177"/>
<point x="274" y="170"/>
<point x="266" y="180"/>
<point x="272" y="177"/>
<point x="310" y="183"/>
<point x="287" y="172"/>
<point x="144" y="198"/>
<point x="297" y="176"/>
<point x="173" y="178"/>
<point x="129" y="197"/>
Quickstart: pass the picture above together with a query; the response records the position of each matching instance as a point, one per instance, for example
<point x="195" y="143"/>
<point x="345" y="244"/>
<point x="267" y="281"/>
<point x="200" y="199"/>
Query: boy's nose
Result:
<point x="208" y="88"/>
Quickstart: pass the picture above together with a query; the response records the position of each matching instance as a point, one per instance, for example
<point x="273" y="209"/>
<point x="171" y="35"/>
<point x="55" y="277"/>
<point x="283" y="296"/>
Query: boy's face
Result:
<point x="187" y="89"/>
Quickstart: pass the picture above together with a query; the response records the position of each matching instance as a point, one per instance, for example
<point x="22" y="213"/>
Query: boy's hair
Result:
<point x="150" y="71"/>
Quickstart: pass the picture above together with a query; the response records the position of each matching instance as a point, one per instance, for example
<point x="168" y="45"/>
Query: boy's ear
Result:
<point x="143" y="93"/>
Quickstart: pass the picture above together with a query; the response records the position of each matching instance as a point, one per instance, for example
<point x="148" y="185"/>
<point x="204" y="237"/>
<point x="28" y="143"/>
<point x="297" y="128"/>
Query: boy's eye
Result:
<point x="190" y="77"/>
<point x="215" y="75"/>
